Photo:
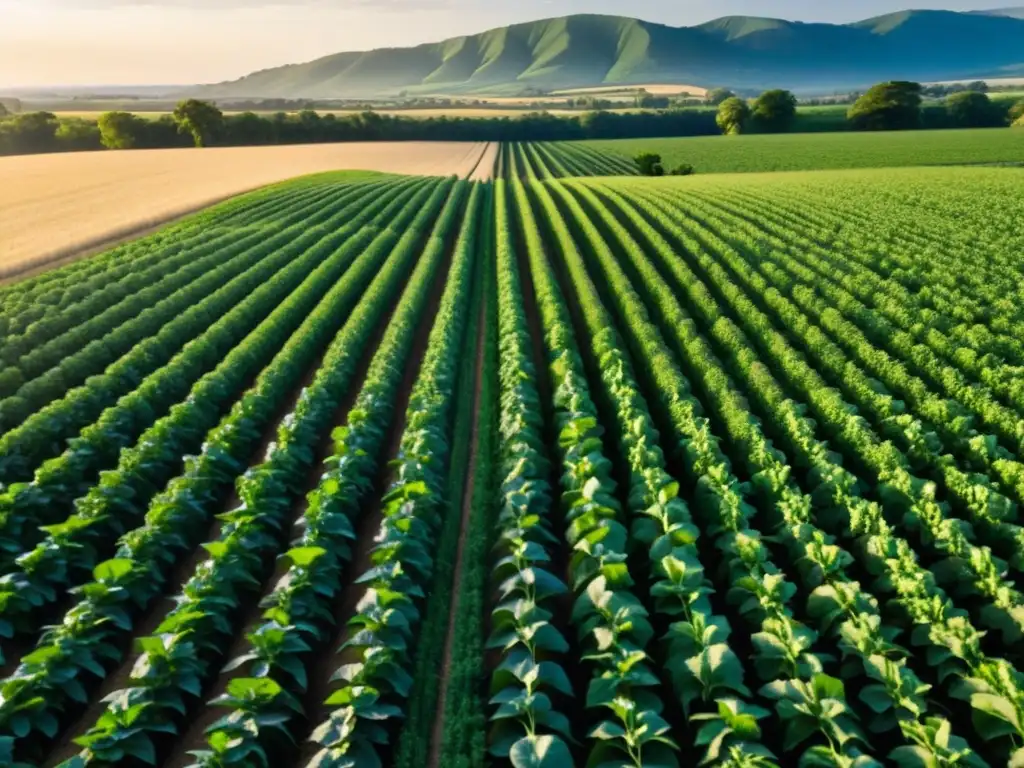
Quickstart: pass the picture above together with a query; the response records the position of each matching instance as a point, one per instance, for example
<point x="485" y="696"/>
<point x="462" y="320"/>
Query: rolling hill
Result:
<point x="589" y="50"/>
<point x="1013" y="13"/>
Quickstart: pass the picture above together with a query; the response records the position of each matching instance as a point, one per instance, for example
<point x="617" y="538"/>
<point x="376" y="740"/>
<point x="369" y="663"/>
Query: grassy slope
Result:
<point x="795" y="152"/>
<point x="587" y="50"/>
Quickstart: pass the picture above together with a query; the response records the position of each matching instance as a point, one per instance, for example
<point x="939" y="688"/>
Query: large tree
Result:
<point x="972" y="109"/>
<point x="774" y="111"/>
<point x="121" y="130"/>
<point x="201" y="119"/>
<point x="891" y="106"/>
<point x="733" y="116"/>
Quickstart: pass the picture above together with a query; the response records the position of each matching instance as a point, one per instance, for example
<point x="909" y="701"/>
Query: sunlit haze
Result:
<point x="79" y="42"/>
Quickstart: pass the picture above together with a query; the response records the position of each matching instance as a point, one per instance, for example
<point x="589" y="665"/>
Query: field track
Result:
<point x="557" y="469"/>
<point x="60" y="205"/>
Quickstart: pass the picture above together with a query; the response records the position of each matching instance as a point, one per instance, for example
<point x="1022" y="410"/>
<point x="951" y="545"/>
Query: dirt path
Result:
<point x="468" y="492"/>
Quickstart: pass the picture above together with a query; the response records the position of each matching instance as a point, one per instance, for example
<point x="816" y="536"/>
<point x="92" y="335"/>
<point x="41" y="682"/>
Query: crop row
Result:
<point x="624" y="247"/>
<point x="545" y="160"/>
<point x="605" y="472"/>
<point x="91" y="640"/>
<point x="904" y="499"/>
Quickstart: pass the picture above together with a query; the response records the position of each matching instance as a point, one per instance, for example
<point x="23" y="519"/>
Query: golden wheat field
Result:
<point x="59" y="205"/>
<point x="488" y="162"/>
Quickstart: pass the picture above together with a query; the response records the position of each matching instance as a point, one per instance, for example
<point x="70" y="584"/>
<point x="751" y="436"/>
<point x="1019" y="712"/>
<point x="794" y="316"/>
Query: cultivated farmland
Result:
<point x="825" y="151"/>
<point x="57" y="205"/>
<point x="371" y="470"/>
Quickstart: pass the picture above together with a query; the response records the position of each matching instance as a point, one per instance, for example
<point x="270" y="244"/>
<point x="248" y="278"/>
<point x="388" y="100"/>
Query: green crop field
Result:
<point x="826" y="151"/>
<point x="571" y="468"/>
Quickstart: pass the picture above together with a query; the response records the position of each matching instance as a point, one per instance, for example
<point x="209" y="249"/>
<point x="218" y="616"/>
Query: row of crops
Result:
<point x="820" y="151"/>
<point x="546" y="472"/>
<point x="256" y="462"/>
<point x="555" y="160"/>
<point x="768" y="153"/>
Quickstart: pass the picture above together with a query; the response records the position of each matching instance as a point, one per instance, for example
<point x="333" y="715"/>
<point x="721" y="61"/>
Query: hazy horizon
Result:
<point x="166" y="42"/>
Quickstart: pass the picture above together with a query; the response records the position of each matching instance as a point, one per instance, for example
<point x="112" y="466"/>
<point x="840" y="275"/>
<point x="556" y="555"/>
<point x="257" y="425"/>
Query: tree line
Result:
<point x="890" y="106"/>
<point x="202" y="124"/>
<point x="887" y="106"/>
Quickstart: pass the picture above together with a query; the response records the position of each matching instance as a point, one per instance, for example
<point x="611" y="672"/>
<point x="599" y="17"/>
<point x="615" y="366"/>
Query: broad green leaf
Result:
<point x="303" y="557"/>
<point x="540" y="752"/>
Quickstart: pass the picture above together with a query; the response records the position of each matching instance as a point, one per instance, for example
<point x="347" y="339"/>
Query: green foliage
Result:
<point x="774" y="111"/>
<point x="375" y="682"/>
<point x="757" y="445"/>
<point x="612" y="625"/>
<point x="972" y="109"/>
<point x="733" y="116"/>
<point x="121" y="130"/>
<point x="891" y="106"/>
<point x="144" y="559"/>
<point x="447" y="602"/>
<point x="527" y="725"/>
<point x="649" y="164"/>
<point x="717" y="96"/>
<point x="897" y="696"/>
<point x="28" y="132"/>
<point x="77" y="135"/>
<point x="1016" y="112"/>
<point x="817" y="151"/>
<point x="202" y="120"/>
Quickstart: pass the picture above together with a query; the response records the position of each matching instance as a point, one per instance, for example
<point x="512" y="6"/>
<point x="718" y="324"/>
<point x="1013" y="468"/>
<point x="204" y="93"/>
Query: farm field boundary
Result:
<point x="60" y="204"/>
<point x="556" y="469"/>
<point x="823" y="151"/>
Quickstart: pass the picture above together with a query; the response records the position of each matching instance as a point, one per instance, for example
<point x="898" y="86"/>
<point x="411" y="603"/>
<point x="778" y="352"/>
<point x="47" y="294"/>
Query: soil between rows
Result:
<point x="194" y="735"/>
<point x="151" y="619"/>
<point x="324" y="664"/>
<point x="468" y="491"/>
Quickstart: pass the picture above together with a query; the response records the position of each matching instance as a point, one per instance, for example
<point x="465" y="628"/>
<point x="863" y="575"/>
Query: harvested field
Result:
<point x="488" y="161"/>
<point x="59" y="205"/>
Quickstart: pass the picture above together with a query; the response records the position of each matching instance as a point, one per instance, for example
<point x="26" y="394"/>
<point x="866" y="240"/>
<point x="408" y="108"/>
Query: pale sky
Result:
<point x="95" y="42"/>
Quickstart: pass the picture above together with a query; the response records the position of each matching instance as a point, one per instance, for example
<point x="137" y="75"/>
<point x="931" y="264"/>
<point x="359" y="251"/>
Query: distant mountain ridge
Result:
<point x="1013" y="13"/>
<point x="591" y="50"/>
